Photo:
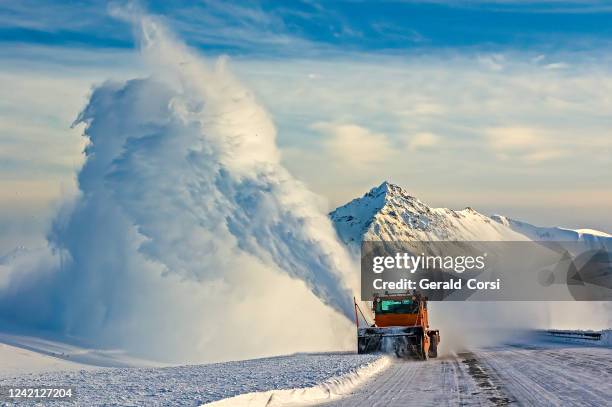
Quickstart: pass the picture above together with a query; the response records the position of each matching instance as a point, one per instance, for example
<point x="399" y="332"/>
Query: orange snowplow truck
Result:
<point x="401" y="325"/>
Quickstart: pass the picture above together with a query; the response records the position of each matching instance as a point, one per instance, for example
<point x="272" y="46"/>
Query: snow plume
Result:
<point x="470" y="325"/>
<point x="189" y="240"/>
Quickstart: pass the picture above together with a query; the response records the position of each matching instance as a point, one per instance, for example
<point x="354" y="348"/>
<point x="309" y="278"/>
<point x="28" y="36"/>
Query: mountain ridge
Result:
<point x="388" y="212"/>
<point x="555" y="233"/>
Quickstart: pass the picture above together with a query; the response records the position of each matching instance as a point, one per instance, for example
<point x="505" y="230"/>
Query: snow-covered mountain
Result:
<point x="389" y="213"/>
<point x="590" y="237"/>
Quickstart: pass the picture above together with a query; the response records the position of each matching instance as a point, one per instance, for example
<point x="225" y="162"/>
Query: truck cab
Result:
<point x="401" y="325"/>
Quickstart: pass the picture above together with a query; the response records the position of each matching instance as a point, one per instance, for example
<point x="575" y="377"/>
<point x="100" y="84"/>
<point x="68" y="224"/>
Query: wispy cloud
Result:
<point x="527" y="6"/>
<point x="315" y="28"/>
<point x="448" y="123"/>
<point x="434" y="115"/>
<point x="423" y="141"/>
<point x="524" y="143"/>
<point x="227" y="24"/>
<point x="353" y="146"/>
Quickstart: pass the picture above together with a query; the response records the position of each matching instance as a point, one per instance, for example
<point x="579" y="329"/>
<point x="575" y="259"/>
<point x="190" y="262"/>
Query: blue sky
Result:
<point x="503" y="106"/>
<point x="279" y="27"/>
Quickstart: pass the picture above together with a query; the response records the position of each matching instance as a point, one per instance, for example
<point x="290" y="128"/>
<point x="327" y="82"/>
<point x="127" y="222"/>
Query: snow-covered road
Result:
<point x="554" y="374"/>
<point x="532" y="375"/>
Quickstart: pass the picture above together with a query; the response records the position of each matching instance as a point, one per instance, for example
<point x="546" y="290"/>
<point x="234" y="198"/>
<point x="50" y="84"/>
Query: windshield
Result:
<point x="397" y="307"/>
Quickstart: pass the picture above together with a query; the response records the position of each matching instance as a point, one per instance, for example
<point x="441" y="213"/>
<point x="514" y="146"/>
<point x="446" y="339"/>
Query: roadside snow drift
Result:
<point x="328" y="373"/>
<point x="589" y="338"/>
<point x="331" y="389"/>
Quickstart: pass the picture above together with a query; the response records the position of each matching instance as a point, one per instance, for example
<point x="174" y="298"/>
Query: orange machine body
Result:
<point x="402" y="318"/>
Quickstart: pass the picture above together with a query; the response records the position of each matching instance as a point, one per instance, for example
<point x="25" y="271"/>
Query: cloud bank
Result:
<point x="188" y="239"/>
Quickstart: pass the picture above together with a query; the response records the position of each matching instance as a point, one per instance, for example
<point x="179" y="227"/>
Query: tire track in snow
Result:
<point x="439" y="382"/>
<point x="555" y="376"/>
<point x="489" y="383"/>
<point x="542" y="374"/>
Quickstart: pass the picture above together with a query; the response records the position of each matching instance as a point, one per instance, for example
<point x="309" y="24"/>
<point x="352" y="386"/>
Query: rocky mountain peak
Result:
<point x="388" y="212"/>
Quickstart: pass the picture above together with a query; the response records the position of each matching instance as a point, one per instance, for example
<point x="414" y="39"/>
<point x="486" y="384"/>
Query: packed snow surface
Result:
<point x="538" y="373"/>
<point x="196" y="384"/>
<point x="533" y="370"/>
<point x="31" y="354"/>
<point x="16" y="361"/>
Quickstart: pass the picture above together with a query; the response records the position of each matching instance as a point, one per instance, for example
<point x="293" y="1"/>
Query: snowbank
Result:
<point x="330" y="373"/>
<point x="593" y="338"/>
<point x="20" y="354"/>
<point x="331" y="389"/>
<point x="606" y="337"/>
<point x="17" y="361"/>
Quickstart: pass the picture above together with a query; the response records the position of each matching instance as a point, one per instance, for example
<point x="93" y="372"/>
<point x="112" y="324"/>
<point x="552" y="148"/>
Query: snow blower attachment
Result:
<point x="400" y="325"/>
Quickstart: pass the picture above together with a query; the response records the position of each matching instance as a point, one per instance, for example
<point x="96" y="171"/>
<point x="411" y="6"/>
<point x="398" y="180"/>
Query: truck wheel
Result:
<point x="424" y="355"/>
<point x="433" y="346"/>
<point x="362" y="346"/>
<point x="433" y="352"/>
<point x="400" y="347"/>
